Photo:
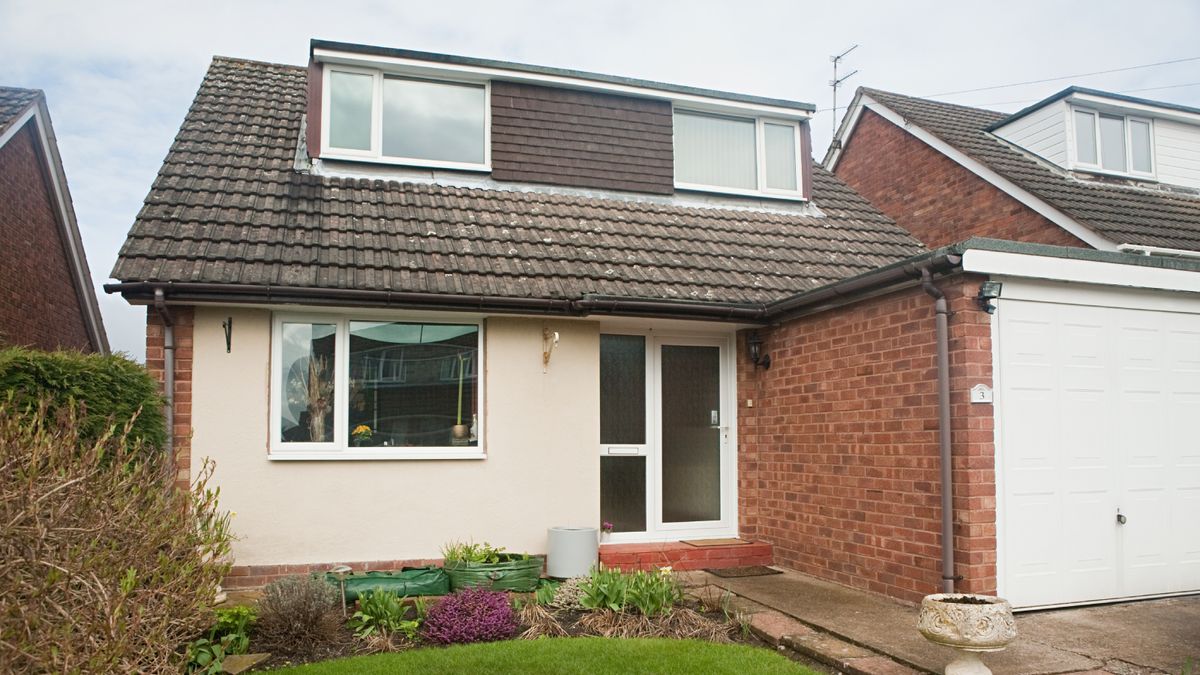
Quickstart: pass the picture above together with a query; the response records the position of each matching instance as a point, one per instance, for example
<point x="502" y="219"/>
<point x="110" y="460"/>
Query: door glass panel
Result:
<point x="691" y="434"/>
<point x="623" y="493"/>
<point x="622" y="390"/>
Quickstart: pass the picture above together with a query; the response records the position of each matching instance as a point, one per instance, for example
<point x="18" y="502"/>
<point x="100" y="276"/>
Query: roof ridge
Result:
<point x="870" y="90"/>
<point x="254" y="62"/>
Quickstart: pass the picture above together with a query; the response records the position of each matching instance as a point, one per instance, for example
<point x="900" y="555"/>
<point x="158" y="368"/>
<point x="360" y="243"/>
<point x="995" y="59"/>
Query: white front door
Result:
<point x="666" y="462"/>
<point x="1098" y="429"/>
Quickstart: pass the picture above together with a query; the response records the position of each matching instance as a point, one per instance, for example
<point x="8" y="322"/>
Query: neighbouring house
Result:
<point x="46" y="295"/>
<point x="402" y="298"/>
<point x="1080" y="168"/>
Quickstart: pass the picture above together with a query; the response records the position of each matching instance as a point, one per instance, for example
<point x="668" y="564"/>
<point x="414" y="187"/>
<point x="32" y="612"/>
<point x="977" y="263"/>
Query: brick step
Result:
<point x="680" y="556"/>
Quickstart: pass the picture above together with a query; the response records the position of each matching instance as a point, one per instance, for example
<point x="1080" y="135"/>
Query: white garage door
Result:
<point x="1098" y="414"/>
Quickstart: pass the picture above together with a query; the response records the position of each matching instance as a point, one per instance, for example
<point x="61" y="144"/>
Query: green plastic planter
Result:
<point x="512" y="573"/>
<point x="410" y="581"/>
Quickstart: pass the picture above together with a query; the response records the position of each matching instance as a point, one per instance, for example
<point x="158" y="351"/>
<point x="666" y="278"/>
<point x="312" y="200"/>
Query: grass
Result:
<point x="585" y="656"/>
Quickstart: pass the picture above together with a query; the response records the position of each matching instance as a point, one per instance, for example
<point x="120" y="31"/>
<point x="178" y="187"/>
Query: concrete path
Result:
<point x="1147" y="637"/>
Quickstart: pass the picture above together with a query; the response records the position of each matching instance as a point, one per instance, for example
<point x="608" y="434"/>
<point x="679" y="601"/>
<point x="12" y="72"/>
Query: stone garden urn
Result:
<point x="968" y="623"/>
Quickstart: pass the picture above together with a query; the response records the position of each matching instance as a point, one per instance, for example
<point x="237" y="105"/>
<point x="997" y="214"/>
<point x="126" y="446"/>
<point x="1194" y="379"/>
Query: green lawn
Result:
<point x="586" y="656"/>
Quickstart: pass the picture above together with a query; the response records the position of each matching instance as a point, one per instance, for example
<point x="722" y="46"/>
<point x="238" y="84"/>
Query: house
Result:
<point x="46" y="295"/>
<point x="1080" y="168"/>
<point x="402" y="298"/>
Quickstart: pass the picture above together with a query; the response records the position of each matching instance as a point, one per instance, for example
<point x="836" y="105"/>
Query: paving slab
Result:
<point x="889" y="628"/>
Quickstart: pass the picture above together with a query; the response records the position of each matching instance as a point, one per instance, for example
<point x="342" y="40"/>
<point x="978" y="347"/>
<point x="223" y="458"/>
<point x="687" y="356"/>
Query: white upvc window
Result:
<point x="756" y="156"/>
<point x="371" y="388"/>
<point x="1112" y="143"/>
<point x="377" y="116"/>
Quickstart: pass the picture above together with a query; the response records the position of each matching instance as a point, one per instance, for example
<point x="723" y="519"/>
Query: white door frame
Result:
<point x="656" y="530"/>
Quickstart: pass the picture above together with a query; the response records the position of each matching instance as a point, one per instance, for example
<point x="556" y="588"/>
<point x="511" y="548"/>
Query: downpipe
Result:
<point x="942" y="314"/>
<point x="160" y="306"/>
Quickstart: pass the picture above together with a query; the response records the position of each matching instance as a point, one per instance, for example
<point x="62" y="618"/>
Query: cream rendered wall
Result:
<point x="542" y="468"/>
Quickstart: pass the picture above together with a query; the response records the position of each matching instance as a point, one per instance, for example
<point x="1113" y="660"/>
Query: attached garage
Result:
<point x="1097" y="423"/>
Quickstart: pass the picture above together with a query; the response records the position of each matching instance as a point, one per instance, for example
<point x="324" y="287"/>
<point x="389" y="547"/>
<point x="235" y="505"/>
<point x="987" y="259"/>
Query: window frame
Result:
<point x="375" y="154"/>
<point x="340" y="448"/>
<point x="1127" y="128"/>
<point x="760" y="159"/>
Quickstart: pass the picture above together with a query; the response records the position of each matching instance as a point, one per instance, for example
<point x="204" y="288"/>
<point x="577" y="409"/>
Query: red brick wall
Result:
<point x="39" y="306"/>
<point x="581" y="139"/>
<point x="838" y="458"/>
<point x="931" y="195"/>
<point x="181" y="426"/>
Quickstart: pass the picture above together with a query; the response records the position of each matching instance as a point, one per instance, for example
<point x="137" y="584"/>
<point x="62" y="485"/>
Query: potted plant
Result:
<point x="968" y="623"/>
<point x="361" y="435"/>
<point x="471" y="564"/>
<point x="459" y="433"/>
<point x="606" y="529"/>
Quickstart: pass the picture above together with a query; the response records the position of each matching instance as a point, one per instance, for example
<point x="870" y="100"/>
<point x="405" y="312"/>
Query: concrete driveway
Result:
<point x="1151" y="636"/>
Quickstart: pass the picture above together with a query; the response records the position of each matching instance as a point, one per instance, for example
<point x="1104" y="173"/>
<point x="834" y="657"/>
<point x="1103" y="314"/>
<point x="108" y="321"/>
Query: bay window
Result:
<point x="1114" y="143"/>
<point x="405" y="120"/>
<point x="738" y="155"/>
<point x="375" y="389"/>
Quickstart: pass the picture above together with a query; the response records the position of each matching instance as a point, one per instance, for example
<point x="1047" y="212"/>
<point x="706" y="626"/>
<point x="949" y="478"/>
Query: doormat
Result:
<point x="748" y="571"/>
<point x="715" y="542"/>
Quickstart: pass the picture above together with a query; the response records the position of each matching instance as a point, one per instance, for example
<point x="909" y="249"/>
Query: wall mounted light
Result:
<point x="754" y="343"/>
<point x="988" y="291"/>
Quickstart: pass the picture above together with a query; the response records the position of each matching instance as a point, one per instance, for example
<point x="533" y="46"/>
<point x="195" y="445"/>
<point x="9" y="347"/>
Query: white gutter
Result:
<point x="1158" y="250"/>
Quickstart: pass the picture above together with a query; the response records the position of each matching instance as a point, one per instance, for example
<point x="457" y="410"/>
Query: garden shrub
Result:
<point x="106" y="566"/>
<point x="299" y="615"/>
<point x="383" y="612"/>
<point x="470" y="615"/>
<point x="229" y="635"/>
<point x="107" y="389"/>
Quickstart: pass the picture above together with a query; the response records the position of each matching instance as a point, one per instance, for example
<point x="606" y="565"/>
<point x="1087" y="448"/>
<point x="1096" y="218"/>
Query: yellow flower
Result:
<point x="361" y="429"/>
<point x="664" y="570"/>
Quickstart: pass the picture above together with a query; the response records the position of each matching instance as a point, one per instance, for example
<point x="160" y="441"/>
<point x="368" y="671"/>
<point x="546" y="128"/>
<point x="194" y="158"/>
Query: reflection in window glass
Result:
<point x="308" y="384"/>
<point x="716" y="151"/>
<point x="1085" y="137"/>
<point x="1112" y="143"/>
<point x="350" y="96"/>
<point x="413" y="384"/>
<point x="1139" y="145"/>
<point x="781" y="156"/>
<point x="433" y="120"/>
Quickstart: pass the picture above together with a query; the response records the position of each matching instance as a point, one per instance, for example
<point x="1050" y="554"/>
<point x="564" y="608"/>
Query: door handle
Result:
<point x="1121" y="519"/>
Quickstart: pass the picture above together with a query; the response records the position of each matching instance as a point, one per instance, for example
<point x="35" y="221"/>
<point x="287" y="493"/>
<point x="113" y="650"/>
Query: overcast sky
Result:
<point x="119" y="76"/>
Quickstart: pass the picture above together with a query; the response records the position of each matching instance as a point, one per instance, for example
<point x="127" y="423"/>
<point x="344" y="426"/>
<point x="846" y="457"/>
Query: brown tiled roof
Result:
<point x="229" y="207"/>
<point x="1124" y="214"/>
<point x="13" y="101"/>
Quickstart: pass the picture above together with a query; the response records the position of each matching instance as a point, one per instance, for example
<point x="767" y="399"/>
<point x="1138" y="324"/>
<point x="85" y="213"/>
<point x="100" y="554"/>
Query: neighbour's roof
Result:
<point x="229" y="207"/>
<point x="1071" y="91"/>
<point x="13" y="102"/>
<point x="1122" y="213"/>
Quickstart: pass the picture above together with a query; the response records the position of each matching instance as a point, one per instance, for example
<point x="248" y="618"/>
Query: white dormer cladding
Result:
<point x="1112" y="136"/>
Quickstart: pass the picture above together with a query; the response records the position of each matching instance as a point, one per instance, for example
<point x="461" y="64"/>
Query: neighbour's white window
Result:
<point x="738" y="155"/>
<point x="403" y="120"/>
<point x="375" y="389"/>
<point x="1115" y="143"/>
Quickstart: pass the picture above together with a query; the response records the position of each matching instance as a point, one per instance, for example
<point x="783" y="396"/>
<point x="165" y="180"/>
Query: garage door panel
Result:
<point x="1100" y="412"/>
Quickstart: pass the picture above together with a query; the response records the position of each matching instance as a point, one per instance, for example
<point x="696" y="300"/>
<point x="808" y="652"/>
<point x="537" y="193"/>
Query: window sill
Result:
<point x="342" y="156"/>
<point x="1097" y="171"/>
<point x="378" y="454"/>
<point x="738" y="192"/>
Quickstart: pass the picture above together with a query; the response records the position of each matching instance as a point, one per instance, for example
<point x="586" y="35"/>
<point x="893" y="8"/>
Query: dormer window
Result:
<point x="405" y="120"/>
<point x="1113" y="143"/>
<point x="738" y="155"/>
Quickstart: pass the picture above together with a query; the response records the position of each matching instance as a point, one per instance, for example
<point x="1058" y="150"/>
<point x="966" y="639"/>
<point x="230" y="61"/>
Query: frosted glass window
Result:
<point x="623" y="493"/>
<point x="622" y="389"/>
<point x="1139" y="145"/>
<point x="1112" y="143"/>
<point x="350" y="97"/>
<point x="433" y="120"/>
<point x="781" y="156"/>
<point x="716" y="151"/>
<point x="691" y="433"/>
<point x="1085" y="138"/>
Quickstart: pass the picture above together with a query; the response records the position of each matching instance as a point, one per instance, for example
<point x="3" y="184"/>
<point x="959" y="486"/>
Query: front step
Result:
<point x="680" y="556"/>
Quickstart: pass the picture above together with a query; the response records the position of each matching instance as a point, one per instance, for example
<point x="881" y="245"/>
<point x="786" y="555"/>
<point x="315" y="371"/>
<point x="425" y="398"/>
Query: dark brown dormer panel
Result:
<point x="581" y="139"/>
